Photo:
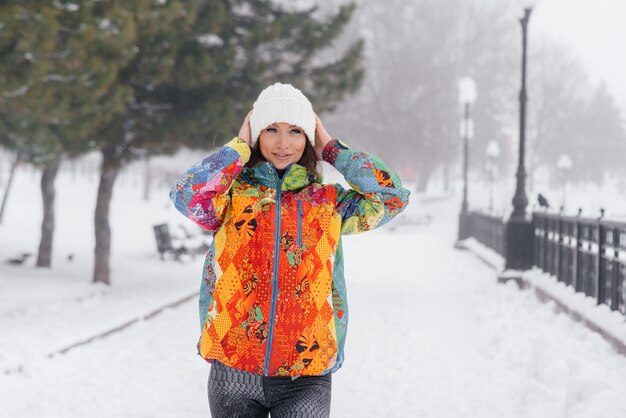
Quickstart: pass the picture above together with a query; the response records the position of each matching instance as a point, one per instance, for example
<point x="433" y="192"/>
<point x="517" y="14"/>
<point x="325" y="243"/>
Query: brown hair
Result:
<point x="308" y="159"/>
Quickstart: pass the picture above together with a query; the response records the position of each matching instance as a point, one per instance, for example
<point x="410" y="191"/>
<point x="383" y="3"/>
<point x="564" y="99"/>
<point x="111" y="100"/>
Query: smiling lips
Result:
<point x="281" y="156"/>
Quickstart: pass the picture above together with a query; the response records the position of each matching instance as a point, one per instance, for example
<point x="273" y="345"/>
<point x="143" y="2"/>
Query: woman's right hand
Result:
<point x="244" y="131"/>
<point x="321" y="137"/>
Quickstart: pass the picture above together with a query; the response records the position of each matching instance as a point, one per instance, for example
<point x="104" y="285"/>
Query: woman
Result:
<point x="273" y="299"/>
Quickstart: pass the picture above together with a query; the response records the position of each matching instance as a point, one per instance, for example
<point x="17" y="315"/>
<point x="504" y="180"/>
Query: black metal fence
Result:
<point x="489" y="230"/>
<point x="587" y="254"/>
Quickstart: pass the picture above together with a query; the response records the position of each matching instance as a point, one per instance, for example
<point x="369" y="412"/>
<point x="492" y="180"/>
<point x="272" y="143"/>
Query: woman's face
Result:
<point x="282" y="144"/>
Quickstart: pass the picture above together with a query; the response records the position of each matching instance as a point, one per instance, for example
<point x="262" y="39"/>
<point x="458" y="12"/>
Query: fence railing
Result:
<point x="489" y="230"/>
<point x="585" y="253"/>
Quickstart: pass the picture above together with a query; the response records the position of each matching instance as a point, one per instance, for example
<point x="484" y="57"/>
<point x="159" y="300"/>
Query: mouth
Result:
<point x="282" y="156"/>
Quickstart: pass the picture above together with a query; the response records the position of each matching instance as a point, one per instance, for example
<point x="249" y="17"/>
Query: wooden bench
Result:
<point x="191" y="244"/>
<point x="165" y="244"/>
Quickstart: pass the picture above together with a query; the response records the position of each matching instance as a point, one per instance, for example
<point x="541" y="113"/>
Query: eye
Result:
<point x="271" y="130"/>
<point x="296" y="131"/>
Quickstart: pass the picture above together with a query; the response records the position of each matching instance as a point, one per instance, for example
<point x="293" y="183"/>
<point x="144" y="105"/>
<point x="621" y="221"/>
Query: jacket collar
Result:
<point x="295" y="177"/>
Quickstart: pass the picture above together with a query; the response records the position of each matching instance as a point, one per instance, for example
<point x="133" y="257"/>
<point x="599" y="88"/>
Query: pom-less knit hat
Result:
<point x="282" y="103"/>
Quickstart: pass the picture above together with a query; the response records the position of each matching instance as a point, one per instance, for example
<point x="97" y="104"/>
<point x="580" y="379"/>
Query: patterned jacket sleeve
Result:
<point x="377" y="194"/>
<point x="202" y="193"/>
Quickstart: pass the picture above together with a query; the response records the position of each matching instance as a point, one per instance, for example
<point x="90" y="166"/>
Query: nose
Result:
<point x="282" y="140"/>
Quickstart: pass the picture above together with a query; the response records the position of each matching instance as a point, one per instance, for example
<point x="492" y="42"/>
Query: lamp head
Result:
<point x="493" y="150"/>
<point x="564" y="162"/>
<point x="528" y="4"/>
<point x="467" y="91"/>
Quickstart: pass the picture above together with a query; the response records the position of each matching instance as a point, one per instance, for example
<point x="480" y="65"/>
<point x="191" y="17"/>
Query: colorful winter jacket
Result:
<point x="273" y="296"/>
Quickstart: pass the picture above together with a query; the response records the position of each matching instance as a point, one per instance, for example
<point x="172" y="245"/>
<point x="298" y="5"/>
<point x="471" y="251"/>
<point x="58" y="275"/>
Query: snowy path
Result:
<point x="431" y="335"/>
<point x="443" y="340"/>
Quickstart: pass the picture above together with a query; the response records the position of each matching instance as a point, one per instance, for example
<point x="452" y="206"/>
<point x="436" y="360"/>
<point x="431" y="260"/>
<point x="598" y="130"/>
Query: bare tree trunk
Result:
<point x="73" y="169"/>
<point x="423" y="176"/>
<point x="9" y="182"/>
<point x="446" y="177"/>
<point x="108" y="173"/>
<point x="48" y="176"/>
<point x="147" y="179"/>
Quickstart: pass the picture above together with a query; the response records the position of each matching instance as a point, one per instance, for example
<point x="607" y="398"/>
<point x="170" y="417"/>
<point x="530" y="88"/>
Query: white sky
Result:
<point x="596" y="31"/>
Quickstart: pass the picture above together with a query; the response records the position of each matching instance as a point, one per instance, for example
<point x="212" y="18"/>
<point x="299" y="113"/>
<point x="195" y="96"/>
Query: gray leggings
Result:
<point x="237" y="393"/>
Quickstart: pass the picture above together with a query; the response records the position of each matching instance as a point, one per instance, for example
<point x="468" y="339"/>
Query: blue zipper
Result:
<point x="299" y="239"/>
<point x="270" y="332"/>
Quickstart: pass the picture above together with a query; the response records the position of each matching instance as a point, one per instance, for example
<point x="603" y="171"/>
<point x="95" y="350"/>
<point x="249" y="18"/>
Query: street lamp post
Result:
<point x="493" y="151"/>
<point x="520" y="201"/>
<point x="467" y="97"/>
<point x="519" y="232"/>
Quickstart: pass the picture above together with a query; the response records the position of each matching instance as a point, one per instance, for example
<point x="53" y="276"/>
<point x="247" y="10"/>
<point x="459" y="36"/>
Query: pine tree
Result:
<point x="197" y="68"/>
<point x="55" y="93"/>
<point x="28" y="115"/>
<point x="137" y="78"/>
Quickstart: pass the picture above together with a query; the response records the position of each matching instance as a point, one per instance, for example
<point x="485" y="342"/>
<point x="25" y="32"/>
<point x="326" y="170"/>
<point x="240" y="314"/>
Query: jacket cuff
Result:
<point x="241" y="147"/>
<point x="332" y="149"/>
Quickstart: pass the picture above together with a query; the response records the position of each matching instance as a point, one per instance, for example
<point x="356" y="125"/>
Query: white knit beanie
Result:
<point x="282" y="103"/>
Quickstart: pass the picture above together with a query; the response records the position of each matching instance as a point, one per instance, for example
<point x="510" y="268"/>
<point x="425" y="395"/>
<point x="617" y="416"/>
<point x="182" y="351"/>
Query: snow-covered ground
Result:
<point x="44" y="310"/>
<point x="431" y="333"/>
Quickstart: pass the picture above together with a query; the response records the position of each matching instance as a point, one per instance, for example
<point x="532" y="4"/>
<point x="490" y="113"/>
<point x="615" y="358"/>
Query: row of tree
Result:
<point x="407" y="110"/>
<point x="134" y="78"/>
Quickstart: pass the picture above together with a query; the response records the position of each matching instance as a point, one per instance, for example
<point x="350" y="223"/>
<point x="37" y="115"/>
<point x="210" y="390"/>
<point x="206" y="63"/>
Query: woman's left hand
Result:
<point x="321" y="137"/>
